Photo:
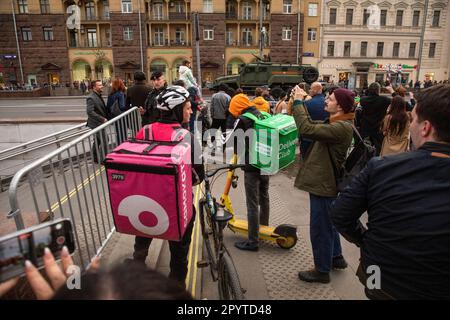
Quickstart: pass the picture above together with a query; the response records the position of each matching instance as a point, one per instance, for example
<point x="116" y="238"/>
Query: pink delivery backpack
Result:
<point x="150" y="183"/>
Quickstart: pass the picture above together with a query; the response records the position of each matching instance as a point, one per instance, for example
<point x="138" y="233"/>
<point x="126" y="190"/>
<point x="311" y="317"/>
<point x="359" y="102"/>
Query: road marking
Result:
<point x="193" y="241"/>
<point x="194" y="281"/>
<point x="86" y="181"/>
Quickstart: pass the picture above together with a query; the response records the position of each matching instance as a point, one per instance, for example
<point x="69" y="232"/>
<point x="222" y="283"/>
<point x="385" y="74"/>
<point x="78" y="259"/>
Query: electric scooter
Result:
<point x="285" y="235"/>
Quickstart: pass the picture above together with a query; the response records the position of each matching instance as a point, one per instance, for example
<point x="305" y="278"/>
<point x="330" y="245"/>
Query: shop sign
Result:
<point x="393" y="67"/>
<point x="80" y="53"/>
<point x="9" y="56"/>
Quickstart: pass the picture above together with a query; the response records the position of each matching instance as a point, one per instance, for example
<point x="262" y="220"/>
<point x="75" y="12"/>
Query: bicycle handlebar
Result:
<point x="211" y="173"/>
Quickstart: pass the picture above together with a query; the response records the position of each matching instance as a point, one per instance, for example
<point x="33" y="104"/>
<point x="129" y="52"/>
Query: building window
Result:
<point x="92" y="38"/>
<point x="347" y="48"/>
<point x="432" y="51"/>
<point x="106" y="10"/>
<point x="349" y="17"/>
<point x="127" y="7"/>
<point x="208" y="6"/>
<point x="436" y="17"/>
<point x="45" y="6"/>
<point x="380" y="48"/>
<point x="312" y="9"/>
<point x="396" y="49"/>
<point x="247" y="39"/>
<point x="179" y="36"/>
<point x="90" y="11"/>
<point x="246" y="11"/>
<point x="416" y="17"/>
<point x="287" y="6"/>
<point x="230" y="38"/>
<point x="363" y="51"/>
<point x="383" y="17"/>
<point x="208" y="34"/>
<point x="333" y="12"/>
<point x="412" y="50"/>
<point x="399" y="19"/>
<point x="26" y="34"/>
<point x="23" y="6"/>
<point x="159" y="36"/>
<point x="158" y="11"/>
<point x="366" y="16"/>
<point x="312" y="34"/>
<point x="179" y="7"/>
<point x="330" y="51"/>
<point x="108" y="37"/>
<point x="127" y="33"/>
<point x="286" y="33"/>
<point x="48" y="33"/>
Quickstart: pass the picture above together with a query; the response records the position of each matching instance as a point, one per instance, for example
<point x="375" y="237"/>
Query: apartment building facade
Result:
<point x="119" y="37"/>
<point x="371" y="40"/>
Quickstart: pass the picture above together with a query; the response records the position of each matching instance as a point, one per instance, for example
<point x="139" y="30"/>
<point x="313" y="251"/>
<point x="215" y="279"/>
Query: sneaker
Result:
<point x="339" y="262"/>
<point x="246" y="245"/>
<point x="314" y="276"/>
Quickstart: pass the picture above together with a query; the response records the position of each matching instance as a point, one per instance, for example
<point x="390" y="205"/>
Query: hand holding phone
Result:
<point x="30" y="244"/>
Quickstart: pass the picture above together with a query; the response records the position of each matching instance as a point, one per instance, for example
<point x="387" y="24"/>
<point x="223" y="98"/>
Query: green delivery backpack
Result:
<point x="273" y="146"/>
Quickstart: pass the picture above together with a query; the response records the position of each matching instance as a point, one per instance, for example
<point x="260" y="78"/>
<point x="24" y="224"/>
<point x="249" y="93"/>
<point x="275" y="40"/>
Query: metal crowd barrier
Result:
<point x="17" y="157"/>
<point x="74" y="186"/>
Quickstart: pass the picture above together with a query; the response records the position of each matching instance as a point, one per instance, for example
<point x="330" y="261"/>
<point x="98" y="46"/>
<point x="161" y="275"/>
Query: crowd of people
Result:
<point x="404" y="189"/>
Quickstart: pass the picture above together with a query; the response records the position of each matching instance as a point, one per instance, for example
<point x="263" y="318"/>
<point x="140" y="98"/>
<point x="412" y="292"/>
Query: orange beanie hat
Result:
<point x="239" y="103"/>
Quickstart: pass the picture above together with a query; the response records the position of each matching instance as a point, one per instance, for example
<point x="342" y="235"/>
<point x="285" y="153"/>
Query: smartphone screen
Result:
<point x="29" y="244"/>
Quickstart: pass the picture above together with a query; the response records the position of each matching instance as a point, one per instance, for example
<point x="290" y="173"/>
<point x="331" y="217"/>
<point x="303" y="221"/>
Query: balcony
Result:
<point x="178" y="43"/>
<point x="178" y="16"/>
<point x="232" y="43"/>
<point x="231" y="16"/>
<point x="157" y="17"/>
<point x="160" y="43"/>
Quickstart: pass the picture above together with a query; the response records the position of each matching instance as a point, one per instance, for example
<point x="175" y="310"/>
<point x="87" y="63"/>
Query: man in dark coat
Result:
<point x="374" y="109"/>
<point x="137" y="94"/>
<point x="405" y="250"/>
<point x="150" y="112"/>
<point x="97" y="115"/>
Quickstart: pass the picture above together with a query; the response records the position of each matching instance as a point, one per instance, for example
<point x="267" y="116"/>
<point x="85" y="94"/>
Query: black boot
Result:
<point x="339" y="262"/>
<point x="314" y="276"/>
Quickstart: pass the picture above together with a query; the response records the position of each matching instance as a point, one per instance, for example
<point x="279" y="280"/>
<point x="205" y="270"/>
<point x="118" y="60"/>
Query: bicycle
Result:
<point x="213" y="219"/>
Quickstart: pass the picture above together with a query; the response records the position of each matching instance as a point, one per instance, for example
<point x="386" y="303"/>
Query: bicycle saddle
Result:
<point x="222" y="215"/>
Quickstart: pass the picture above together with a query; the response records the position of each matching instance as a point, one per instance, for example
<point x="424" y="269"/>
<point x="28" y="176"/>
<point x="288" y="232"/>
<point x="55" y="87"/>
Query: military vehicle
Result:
<point x="260" y="73"/>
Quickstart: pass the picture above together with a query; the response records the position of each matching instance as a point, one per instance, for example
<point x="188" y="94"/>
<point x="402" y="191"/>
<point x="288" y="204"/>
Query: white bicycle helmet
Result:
<point x="171" y="97"/>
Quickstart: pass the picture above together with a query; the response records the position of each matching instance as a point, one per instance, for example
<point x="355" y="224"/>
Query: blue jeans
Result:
<point x="324" y="237"/>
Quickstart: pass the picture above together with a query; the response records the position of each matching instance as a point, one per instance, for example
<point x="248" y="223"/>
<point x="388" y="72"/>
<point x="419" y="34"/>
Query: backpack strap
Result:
<point x="251" y="116"/>
<point x="148" y="132"/>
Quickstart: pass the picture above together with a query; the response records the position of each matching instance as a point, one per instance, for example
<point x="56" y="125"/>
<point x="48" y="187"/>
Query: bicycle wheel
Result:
<point x="229" y="284"/>
<point x="208" y="232"/>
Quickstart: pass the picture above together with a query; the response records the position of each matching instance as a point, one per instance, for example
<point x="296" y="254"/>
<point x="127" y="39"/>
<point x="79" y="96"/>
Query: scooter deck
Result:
<point x="241" y="226"/>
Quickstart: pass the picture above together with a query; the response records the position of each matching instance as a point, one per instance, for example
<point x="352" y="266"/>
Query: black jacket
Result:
<point x="407" y="198"/>
<point x="151" y="114"/>
<point x="136" y="95"/>
<point x="96" y="110"/>
<point x="374" y="109"/>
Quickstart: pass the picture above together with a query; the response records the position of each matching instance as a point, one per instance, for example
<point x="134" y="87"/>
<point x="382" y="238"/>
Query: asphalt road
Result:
<point x="43" y="108"/>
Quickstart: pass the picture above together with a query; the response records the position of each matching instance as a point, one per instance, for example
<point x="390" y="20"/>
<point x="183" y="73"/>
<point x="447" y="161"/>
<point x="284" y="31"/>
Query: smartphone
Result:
<point x="29" y="244"/>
